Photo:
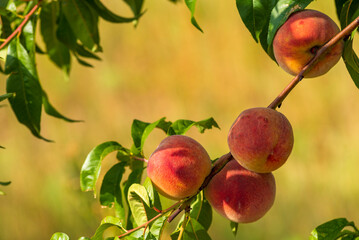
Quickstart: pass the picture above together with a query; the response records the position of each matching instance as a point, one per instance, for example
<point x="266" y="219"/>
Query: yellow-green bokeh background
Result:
<point x="165" y="67"/>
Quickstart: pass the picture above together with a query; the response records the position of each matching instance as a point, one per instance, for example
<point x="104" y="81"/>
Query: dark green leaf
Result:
<point x="50" y="110"/>
<point x="339" y="6"/>
<point x="329" y="230"/>
<point x="64" y="32"/>
<point x="234" y="227"/>
<point x="351" y="60"/>
<point x="92" y="165"/>
<point x="106" y="14"/>
<point x="5" y="183"/>
<point x="152" y="194"/>
<point x="194" y="230"/>
<point x="60" y="236"/>
<point x="348" y="12"/>
<point x="4" y="3"/>
<point x="111" y="191"/>
<point x="23" y="82"/>
<point x="82" y="51"/>
<point x="191" y="4"/>
<point x="6" y="96"/>
<point x="84" y="22"/>
<point x="140" y="131"/>
<point x="56" y="50"/>
<point x="136" y="7"/>
<point x="106" y="223"/>
<point x="181" y="126"/>
<point x="201" y="211"/>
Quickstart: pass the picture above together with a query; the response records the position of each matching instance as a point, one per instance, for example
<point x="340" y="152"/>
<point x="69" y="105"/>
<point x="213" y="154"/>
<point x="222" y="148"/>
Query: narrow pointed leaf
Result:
<point x="57" y="51"/>
<point x="84" y="22"/>
<point x="5" y="183"/>
<point x="111" y="191"/>
<point x="91" y="168"/>
<point x="157" y="227"/>
<point x="234" y="227"/>
<point x="106" y="14"/>
<point x="136" y="7"/>
<point x="50" y="110"/>
<point x="351" y="60"/>
<point x="23" y="82"/>
<point x="191" y="4"/>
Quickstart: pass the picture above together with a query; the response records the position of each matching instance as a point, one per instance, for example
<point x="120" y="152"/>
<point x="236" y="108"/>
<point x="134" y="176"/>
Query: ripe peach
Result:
<point x="261" y="139"/>
<point x="178" y="167"/>
<point x="241" y="195"/>
<point x="299" y="38"/>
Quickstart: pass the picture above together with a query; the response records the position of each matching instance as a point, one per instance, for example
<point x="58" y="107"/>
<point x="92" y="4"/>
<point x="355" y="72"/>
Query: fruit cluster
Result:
<point x="260" y="140"/>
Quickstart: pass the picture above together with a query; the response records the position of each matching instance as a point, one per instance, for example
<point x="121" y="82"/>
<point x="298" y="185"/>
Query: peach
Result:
<point x="299" y="38"/>
<point x="178" y="167"/>
<point x="241" y="195"/>
<point x="261" y="139"/>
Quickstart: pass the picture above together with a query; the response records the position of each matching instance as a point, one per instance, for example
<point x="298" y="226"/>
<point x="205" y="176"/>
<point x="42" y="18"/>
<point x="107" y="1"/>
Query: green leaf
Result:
<point x="349" y="11"/>
<point x="139" y="202"/>
<point x="263" y="17"/>
<point x="50" y="110"/>
<point x="194" y="230"/>
<point x="106" y="14"/>
<point x="28" y="37"/>
<point x="91" y="168"/>
<point x="106" y="223"/>
<point x="24" y="83"/>
<point x="191" y="4"/>
<point x="329" y="230"/>
<point x="57" y="51"/>
<point x="6" y="96"/>
<point x="201" y="211"/>
<point x="4" y="3"/>
<point x="84" y="22"/>
<point x="60" y="236"/>
<point x="156" y="229"/>
<point x="351" y="60"/>
<point x="234" y="227"/>
<point x="82" y="51"/>
<point x="136" y="7"/>
<point x="5" y="183"/>
<point x="181" y="126"/>
<point x="152" y="194"/>
<point x="111" y="192"/>
<point x="140" y="131"/>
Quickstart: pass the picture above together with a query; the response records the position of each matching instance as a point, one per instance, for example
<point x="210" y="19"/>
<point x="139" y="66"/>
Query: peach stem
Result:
<point x="321" y="51"/>
<point x="22" y="24"/>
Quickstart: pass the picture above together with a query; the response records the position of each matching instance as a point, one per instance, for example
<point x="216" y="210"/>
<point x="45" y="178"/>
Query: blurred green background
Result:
<point x="165" y="67"/>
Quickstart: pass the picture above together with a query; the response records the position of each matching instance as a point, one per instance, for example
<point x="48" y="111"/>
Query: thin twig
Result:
<point x="321" y="51"/>
<point x="139" y="158"/>
<point x="152" y="219"/>
<point x="18" y="30"/>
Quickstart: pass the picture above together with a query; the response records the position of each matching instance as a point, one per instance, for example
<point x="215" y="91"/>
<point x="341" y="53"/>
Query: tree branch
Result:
<point x="323" y="50"/>
<point x="18" y="30"/>
<point x="163" y="212"/>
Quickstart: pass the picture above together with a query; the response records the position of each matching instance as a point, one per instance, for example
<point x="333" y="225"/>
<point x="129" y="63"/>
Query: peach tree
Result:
<point x="260" y="140"/>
